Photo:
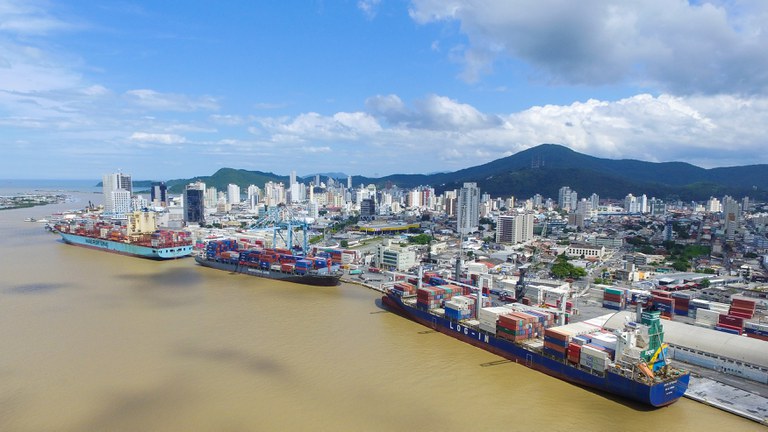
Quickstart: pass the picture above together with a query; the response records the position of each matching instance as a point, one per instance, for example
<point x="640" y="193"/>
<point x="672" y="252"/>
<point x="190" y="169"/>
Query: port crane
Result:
<point x="283" y="221"/>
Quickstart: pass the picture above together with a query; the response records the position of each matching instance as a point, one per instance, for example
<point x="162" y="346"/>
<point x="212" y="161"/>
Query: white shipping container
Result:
<point x="719" y="307"/>
<point x="707" y="316"/>
<point x="593" y="363"/>
<point x="457" y="305"/>
<point x="491" y="314"/>
<point x="466" y="301"/>
<point x="594" y="352"/>
<point x="606" y="340"/>
<point x="487" y="327"/>
<point x="756" y="326"/>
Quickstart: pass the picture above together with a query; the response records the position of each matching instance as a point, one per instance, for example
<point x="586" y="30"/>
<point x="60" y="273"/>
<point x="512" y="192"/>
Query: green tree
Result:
<point x="421" y="239"/>
<point x="344" y="243"/>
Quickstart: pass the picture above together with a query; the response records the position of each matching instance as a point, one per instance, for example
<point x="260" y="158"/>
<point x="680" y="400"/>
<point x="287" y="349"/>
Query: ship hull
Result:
<point x="129" y="249"/>
<point x="656" y="395"/>
<point x="306" y="279"/>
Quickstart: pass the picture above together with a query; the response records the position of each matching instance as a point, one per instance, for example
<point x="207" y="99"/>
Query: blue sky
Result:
<point x="176" y="89"/>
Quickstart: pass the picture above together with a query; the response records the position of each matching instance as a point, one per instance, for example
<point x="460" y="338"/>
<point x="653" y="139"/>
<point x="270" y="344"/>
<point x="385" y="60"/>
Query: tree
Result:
<point x="344" y="243"/>
<point x="704" y="283"/>
<point x="421" y="239"/>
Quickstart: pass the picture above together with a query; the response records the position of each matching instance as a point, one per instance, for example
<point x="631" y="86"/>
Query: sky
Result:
<point x="177" y="89"/>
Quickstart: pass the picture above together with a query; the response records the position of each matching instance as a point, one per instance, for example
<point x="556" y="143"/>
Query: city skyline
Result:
<point x="375" y="87"/>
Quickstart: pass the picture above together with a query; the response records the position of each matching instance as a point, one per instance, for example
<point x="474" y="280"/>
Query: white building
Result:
<point x="117" y="189"/>
<point x="514" y="229"/>
<point x="395" y="257"/>
<point x="585" y="250"/>
<point x="468" y="209"/>
<point x="233" y="194"/>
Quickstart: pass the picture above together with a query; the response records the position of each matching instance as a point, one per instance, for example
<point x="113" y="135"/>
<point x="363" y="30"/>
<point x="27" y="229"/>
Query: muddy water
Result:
<point x="94" y="341"/>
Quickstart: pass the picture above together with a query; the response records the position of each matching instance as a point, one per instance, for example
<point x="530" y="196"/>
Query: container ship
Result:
<point x="271" y="263"/>
<point x="630" y="362"/>
<point x="138" y="236"/>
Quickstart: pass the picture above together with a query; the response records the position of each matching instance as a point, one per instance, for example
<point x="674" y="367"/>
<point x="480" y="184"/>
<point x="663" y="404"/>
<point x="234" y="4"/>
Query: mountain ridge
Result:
<point x="544" y="169"/>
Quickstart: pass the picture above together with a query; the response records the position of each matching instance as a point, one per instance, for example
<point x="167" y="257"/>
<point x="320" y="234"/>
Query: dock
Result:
<point x="743" y="403"/>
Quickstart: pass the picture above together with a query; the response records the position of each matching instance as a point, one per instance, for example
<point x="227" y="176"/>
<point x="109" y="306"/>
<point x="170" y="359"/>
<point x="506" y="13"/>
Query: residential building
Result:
<point x="468" y="209"/>
<point x="117" y="189"/>
<point x="513" y="229"/>
<point x="233" y="194"/>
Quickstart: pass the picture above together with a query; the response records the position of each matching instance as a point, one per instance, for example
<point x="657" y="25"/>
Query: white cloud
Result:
<point x="675" y="45"/>
<point x="158" y="138"/>
<point x="369" y="7"/>
<point x="432" y="112"/>
<point x="155" y="100"/>
<point x="704" y="130"/>
<point x="313" y="126"/>
<point x="29" y="17"/>
<point x="229" y="119"/>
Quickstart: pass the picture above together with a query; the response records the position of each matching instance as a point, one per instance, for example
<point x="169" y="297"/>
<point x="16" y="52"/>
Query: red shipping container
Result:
<point x="574" y="352"/>
<point x="729" y="320"/>
<point x="757" y="336"/>
<point x="749" y="304"/>
<point x="555" y="334"/>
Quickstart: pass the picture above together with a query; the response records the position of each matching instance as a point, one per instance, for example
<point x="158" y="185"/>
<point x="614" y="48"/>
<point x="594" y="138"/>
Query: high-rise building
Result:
<point x="633" y="204"/>
<point x="233" y="194"/>
<point x="731" y="217"/>
<point x="658" y="207"/>
<point x="368" y="209"/>
<point x="211" y="197"/>
<point x="292" y="180"/>
<point x="253" y="190"/>
<point x="158" y="195"/>
<point x="119" y="203"/>
<point x="713" y="205"/>
<point x="349" y="182"/>
<point x="117" y="189"/>
<point x="745" y="204"/>
<point x="194" y="203"/>
<point x="564" y="195"/>
<point x="274" y="193"/>
<point x="468" y="209"/>
<point x="516" y="228"/>
<point x="594" y="202"/>
<point x="297" y="192"/>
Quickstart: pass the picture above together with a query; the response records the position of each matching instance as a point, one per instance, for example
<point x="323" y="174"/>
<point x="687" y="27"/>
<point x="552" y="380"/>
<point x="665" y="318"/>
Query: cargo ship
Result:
<point x="630" y="362"/>
<point x="138" y="236"/>
<point x="270" y="263"/>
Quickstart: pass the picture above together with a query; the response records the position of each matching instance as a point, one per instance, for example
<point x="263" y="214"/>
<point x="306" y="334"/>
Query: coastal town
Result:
<point x="701" y="264"/>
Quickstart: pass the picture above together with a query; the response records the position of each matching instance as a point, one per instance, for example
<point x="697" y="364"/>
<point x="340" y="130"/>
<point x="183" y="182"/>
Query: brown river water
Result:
<point x="93" y="341"/>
